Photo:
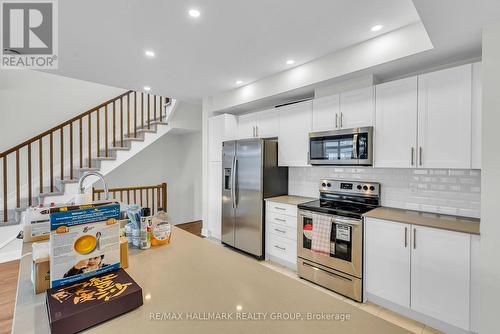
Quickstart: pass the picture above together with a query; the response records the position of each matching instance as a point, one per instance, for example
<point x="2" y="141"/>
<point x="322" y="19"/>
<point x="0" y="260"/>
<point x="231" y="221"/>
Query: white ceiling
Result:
<point x="104" y="41"/>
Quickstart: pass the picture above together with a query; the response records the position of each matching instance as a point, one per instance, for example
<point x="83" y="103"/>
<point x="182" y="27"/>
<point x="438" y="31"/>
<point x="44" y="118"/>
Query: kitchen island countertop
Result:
<point x="193" y="278"/>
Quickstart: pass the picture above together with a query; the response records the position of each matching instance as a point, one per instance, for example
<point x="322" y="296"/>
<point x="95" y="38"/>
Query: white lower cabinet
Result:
<point x="281" y="233"/>
<point x="421" y="268"/>
<point x="388" y="261"/>
<point x="440" y="275"/>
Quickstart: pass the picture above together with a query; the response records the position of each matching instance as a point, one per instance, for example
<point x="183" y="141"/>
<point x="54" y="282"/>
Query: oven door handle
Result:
<point x="327" y="272"/>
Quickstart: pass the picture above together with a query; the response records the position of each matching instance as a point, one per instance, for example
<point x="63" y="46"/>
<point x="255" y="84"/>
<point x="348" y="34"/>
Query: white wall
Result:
<point x="174" y="159"/>
<point x="490" y="199"/>
<point x="453" y="192"/>
<point x="32" y="102"/>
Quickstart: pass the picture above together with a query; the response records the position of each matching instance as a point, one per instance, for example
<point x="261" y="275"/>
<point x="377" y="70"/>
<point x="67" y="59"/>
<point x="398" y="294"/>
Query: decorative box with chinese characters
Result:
<point x="74" y="307"/>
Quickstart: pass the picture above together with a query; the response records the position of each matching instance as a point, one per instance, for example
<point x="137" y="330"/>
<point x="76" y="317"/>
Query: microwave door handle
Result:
<point x="355" y="146"/>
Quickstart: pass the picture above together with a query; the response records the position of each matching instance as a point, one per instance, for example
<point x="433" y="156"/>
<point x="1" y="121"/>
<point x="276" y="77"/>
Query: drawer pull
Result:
<point x="280" y="220"/>
<point x="278" y="208"/>
<point x="282" y="248"/>
<point x="278" y="230"/>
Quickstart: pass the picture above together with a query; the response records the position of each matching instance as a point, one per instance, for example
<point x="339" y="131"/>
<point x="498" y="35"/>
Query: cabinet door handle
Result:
<point x="406" y="237"/>
<point x="278" y="230"/>
<point x="278" y="208"/>
<point x="412" y="154"/>
<point x="420" y="155"/>
<point x="280" y="220"/>
<point x="336" y="120"/>
<point x="281" y="248"/>
<point x="256" y="131"/>
<point x="414" y="238"/>
<point x="341" y="120"/>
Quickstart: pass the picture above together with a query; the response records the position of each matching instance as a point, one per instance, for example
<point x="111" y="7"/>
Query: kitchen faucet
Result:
<point x="81" y="189"/>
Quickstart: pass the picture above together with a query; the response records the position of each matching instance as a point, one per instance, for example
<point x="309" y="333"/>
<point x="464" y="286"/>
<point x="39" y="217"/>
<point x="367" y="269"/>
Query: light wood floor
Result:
<point x="8" y="286"/>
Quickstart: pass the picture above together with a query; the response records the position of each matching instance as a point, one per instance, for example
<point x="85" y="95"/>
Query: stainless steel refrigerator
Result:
<point x="250" y="173"/>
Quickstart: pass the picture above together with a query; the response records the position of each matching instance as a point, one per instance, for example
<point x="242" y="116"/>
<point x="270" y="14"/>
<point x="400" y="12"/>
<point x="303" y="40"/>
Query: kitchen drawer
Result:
<point x="282" y="231"/>
<point x="285" y="209"/>
<point x="346" y="285"/>
<point x="283" y="248"/>
<point x="281" y="219"/>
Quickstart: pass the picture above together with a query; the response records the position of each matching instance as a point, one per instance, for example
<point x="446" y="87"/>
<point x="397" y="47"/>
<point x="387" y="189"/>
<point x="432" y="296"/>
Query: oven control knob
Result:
<point x="372" y="188"/>
<point x="323" y="184"/>
<point x="359" y="187"/>
<point x="365" y="187"/>
<point x="328" y="185"/>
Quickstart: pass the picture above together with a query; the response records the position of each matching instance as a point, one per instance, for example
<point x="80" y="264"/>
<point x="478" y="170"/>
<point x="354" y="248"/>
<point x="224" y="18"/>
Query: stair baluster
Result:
<point x="22" y="163"/>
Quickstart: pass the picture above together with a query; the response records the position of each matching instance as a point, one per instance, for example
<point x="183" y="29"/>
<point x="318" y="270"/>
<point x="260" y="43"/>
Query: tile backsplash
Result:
<point x="454" y="192"/>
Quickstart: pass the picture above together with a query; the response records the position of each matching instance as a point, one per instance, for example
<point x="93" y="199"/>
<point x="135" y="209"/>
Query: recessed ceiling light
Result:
<point x="149" y="53"/>
<point x="290" y="62"/>
<point x="239" y="307"/>
<point x="239" y="82"/>
<point x="377" y="27"/>
<point x="194" y="13"/>
<point x="147" y="88"/>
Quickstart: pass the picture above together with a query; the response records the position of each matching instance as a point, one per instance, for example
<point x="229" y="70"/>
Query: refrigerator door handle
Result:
<point x="233" y="182"/>
<point x="235" y="168"/>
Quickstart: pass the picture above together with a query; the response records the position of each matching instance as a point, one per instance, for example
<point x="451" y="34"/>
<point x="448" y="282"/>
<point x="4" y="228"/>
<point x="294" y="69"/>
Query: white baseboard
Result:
<point x="432" y="322"/>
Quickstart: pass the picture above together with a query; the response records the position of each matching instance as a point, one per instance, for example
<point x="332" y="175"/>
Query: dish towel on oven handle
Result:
<point x="322" y="230"/>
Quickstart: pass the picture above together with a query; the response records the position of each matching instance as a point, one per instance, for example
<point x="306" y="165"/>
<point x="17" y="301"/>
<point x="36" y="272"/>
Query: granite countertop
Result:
<point x="446" y="222"/>
<point x="290" y="199"/>
<point x="191" y="275"/>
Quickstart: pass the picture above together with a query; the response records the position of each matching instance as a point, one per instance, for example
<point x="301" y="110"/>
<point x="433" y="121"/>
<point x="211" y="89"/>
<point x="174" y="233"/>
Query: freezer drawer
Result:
<point x="337" y="281"/>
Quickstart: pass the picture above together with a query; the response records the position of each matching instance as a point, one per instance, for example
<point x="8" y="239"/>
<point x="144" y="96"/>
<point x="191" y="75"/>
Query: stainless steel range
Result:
<point x="337" y="213"/>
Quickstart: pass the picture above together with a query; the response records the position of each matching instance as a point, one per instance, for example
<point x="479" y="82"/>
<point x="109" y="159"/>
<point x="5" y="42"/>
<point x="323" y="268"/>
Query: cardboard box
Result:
<point x="77" y="306"/>
<point x="40" y="274"/>
<point x="40" y="269"/>
<point x="84" y="242"/>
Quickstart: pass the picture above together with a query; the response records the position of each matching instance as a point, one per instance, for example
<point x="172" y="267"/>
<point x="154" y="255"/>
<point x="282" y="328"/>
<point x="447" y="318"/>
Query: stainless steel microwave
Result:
<point x="342" y="147"/>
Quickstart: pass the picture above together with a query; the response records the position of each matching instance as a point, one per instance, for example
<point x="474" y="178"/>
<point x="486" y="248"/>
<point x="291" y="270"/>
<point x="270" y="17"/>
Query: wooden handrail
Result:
<point x="158" y="192"/>
<point x="85" y="141"/>
<point x="57" y="127"/>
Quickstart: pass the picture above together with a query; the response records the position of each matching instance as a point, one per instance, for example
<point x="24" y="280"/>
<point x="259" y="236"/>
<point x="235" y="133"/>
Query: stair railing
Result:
<point x="137" y="195"/>
<point x="88" y="147"/>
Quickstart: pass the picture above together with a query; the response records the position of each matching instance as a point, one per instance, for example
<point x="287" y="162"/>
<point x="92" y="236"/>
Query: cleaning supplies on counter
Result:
<point x="145" y="242"/>
<point x="145" y="230"/>
<point x="160" y="229"/>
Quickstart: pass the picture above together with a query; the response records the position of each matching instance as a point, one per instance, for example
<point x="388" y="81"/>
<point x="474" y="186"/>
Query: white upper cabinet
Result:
<point x="220" y="128"/>
<point x="388" y="260"/>
<point x="440" y="274"/>
<point x="357" y="108"/>
<point x="246" y="126"/>
<point x="396" y="124"/>
<point x="476" y="115"/>
<point x="326" y="113"/>
<point x="293" y="141"/>
<point x="267" y="123"/>
<point x="444" y="118"/>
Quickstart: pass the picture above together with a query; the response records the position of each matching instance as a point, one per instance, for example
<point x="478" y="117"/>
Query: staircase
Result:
<point x="45" y="169"/>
